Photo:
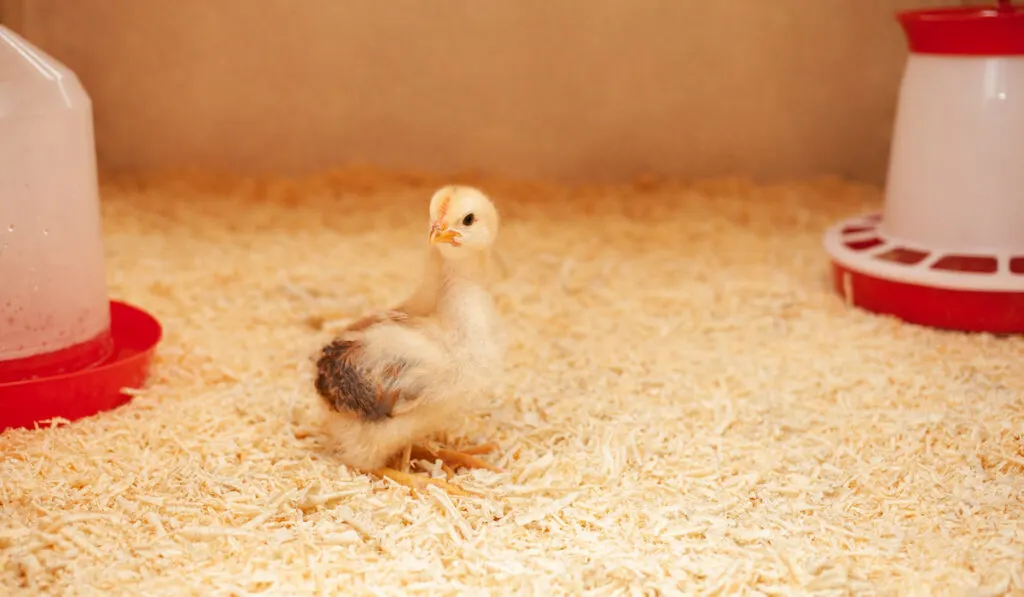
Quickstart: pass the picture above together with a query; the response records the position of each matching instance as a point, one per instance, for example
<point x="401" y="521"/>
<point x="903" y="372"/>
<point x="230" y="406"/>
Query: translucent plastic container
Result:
<point x="54" y="308"/>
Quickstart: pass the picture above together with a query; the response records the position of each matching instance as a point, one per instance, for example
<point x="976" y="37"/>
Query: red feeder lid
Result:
<point x="996" y="30"/>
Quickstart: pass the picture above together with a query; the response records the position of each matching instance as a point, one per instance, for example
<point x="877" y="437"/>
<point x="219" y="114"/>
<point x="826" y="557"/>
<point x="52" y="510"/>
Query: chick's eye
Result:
<point x="468" y="220"/>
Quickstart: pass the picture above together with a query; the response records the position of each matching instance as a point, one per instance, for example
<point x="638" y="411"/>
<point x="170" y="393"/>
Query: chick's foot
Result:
<point x="419" y="483"/>
<point x="454" y="459"/>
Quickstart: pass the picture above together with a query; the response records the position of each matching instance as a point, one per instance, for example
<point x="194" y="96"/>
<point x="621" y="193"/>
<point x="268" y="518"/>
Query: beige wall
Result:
<point x="553" y="88"/>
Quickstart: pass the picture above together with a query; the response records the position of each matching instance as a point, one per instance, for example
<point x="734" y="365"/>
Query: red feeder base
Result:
<point x="973" y="292"/>
<point x="86" y="392"/>
<point x="960" y="310"/>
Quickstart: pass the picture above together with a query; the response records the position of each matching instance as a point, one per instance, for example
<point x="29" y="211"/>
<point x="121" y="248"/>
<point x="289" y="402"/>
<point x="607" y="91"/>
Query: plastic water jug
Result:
<point x="54" y="308"/>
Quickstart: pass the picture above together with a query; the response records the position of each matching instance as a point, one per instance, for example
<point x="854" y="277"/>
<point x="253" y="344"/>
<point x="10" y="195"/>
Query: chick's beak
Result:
<point x="439" y="234"/>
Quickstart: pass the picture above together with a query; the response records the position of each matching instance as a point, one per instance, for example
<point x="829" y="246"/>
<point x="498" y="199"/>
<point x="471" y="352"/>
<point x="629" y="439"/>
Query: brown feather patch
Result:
<point x="346" y="385"/>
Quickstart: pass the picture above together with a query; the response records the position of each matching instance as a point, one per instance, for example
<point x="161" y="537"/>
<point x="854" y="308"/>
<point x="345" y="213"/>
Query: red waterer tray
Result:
<point x="88" y="391"/>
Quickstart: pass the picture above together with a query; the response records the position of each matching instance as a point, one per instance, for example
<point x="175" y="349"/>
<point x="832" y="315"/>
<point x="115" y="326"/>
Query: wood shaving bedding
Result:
<point x="689" y="409"/>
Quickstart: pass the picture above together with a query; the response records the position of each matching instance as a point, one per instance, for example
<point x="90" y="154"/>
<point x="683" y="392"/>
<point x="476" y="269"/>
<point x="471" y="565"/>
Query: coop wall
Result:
<point x="570" y="91"/>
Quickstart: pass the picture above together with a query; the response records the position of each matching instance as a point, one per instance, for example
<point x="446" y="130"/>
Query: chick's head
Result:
<point x="463" y="221"/>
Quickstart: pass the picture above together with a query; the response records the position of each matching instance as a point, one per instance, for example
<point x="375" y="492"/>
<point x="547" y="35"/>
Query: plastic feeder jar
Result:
<point x="62" y="342"/>
<point x="948" y="249"/>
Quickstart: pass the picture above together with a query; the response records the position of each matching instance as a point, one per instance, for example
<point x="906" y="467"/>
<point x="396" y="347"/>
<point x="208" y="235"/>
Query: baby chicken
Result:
<point x="391" y="379"/>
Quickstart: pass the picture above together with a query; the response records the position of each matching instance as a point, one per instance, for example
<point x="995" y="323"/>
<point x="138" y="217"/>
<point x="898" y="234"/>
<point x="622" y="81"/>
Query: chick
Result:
<point x="393" y="378"/>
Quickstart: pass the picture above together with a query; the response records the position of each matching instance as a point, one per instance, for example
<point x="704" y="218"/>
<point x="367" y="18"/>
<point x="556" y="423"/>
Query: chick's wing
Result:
<point x="380" y="372"/>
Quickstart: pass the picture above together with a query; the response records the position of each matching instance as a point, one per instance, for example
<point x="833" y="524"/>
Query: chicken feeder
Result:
<point x="947" y="251"/>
